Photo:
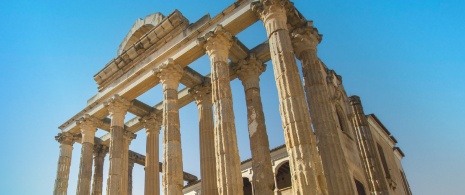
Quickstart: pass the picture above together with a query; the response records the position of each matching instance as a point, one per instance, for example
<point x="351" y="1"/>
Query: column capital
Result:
<point x="305" y="38"/>
<point x="152" y="122"/>
<point x="117" y="107"/>
<point x="249" y="71"/>
<point x="129" y="135"/>
<point x="217" y="43"/>
<point x="273" y="13"/>
<point x="88" y="125"/>
<point x="65" y="138"/>
<point x="100" y="150"/>
<point x="169" y="74"/>
<point x="202" y="93"/>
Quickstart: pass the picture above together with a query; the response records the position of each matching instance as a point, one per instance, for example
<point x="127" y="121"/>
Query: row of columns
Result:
<point x="220" y="162"/>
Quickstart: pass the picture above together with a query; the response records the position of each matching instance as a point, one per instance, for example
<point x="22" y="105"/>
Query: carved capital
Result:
<point x="169" y="74"/>
<point x="202" y="93"/>
<point x="117" y="107"/>
<point x="249" y="71"/>
<point x="88" y="124"/>
<point x="273" y="13"/>
<point x="305" y="38"/>
<point x="217" y="43"/>
<point x="100" y="150"/>
<point x="129" y="135"/>
<point x="152" y="123"/>
<point x="65" y="138"/>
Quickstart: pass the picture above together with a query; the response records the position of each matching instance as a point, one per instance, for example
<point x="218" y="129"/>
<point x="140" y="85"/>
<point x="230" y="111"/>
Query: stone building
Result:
<point x="331" y="146"/>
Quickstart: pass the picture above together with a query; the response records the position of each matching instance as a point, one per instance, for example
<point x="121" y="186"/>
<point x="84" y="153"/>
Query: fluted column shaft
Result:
<point x="203" y="99"/>
<point x="128" y="137"/>
<point x="130" y="168"/>
<point x="66" y="141"/>
<point x="367" y="148"/>
<point x="152" y="125"/>
<point x="228" y="165"/>
<point x="88" y="129"/>
<point x="335" y="166"/>
<point x="117" y="107"/>
<point x="300" y="141"/>
<point x="170" y="74"/>
<point x="248" y="72"/>
<point x="99" y="158"/>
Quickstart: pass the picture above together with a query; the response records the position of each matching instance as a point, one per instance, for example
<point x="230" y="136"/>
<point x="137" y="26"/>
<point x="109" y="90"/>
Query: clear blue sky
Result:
<point x="404" y="58"/>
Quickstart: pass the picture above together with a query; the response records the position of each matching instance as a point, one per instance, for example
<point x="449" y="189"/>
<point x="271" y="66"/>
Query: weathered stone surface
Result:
<point x="217" y="44"/>
<point x="170" y="74"/>
<point x="376" y="181"/>
<point x="117" y="107"/>
<point x="100" y="151"/>
<point x="248" y="71"/>
<point x="300" y="141"/>
<point x="203" y="98"/>
<point x="66" y="141"/>
<point x="152" y="125"/>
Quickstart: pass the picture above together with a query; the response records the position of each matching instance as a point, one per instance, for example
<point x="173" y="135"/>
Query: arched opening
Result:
<point x="342" y="120"/>
<point x="283" y="179"/>
<point x="247" y="186"/>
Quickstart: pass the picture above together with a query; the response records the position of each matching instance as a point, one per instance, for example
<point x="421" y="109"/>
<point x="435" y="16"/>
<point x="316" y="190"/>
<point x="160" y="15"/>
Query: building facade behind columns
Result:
<point x="331" y="145"/>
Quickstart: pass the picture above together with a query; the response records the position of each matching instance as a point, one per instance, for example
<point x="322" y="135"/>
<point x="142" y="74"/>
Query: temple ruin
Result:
<point x="331" y="146"/>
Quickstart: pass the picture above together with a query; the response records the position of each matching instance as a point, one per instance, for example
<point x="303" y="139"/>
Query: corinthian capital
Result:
<point x="129" y="135"/>
<point x="88" y="123"/>
<point x="100" y="150"/>
<point x="65" y="138"/>
<point x="152" y="122"/>
<point x="202" y="93"/>
<point x="249" y="69"/>
<point x="217" y="43"/>
<point x="117" y="105"/>
<point x="169" y="74"/>
<point x="305" y="38"/>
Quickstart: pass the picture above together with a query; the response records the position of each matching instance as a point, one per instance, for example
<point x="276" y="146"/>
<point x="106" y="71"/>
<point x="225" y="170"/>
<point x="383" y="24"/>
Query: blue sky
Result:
<point x="405" y="59"/>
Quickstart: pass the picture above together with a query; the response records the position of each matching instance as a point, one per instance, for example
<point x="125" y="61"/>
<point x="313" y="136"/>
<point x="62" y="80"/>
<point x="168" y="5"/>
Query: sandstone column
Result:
<point x="99" y="158"/>
<point x="228" y="165"/>
<point x="130" y="168"/>
<point x="203" y="98"/>
<point x="117" y="107"/>
<point x="367" y="148"/>
<point x="170" y="74"/>
<point x="152" y="125"/>
<point x="300" y="141"/>
<point x="335" y="166"/>
<point x="128" y="137"/>
<point x="88" y="128"/>
<point x="248" y="71"/>
<point x="66" y="141"/>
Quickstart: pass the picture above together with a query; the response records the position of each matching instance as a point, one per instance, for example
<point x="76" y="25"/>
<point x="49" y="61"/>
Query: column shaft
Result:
<point x="263" y="177"/>
<point x="117" y="107"/>
<point x="87" y="125"/>
<point x="336" y="169"/>
<point x="203" y="99"/>
<point x="170" y="74"/>
<point x="367" y="147"/>
<point x="300" y="141"/>
<point x="130" y="168"/>
<point x="99" y="158"/>
<point x="64" y="163"/>
<point x="128" y="137"/>
<point x="152" y="179"/>
<point x="228" y="165"/>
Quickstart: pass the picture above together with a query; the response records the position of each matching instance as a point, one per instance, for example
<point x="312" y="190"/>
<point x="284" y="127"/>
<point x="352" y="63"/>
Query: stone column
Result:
<point x="66" y="141"/>
<point x="300" y="141"/>
<point x="367" y="147"/>
<point x="228" y="165"/>
<point x="130" y="168"/>
<point x="128" y="137"/>
<point x="88" y="128"/>
<point x="335" y="166"/>
<point x="117" y="107"/>
<point x="203" y="98"/>
<point x="152" y="125"/>
<point x="99" y="158"/>
<point x="248" y="71"/>
<point x="170" y="74"/>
